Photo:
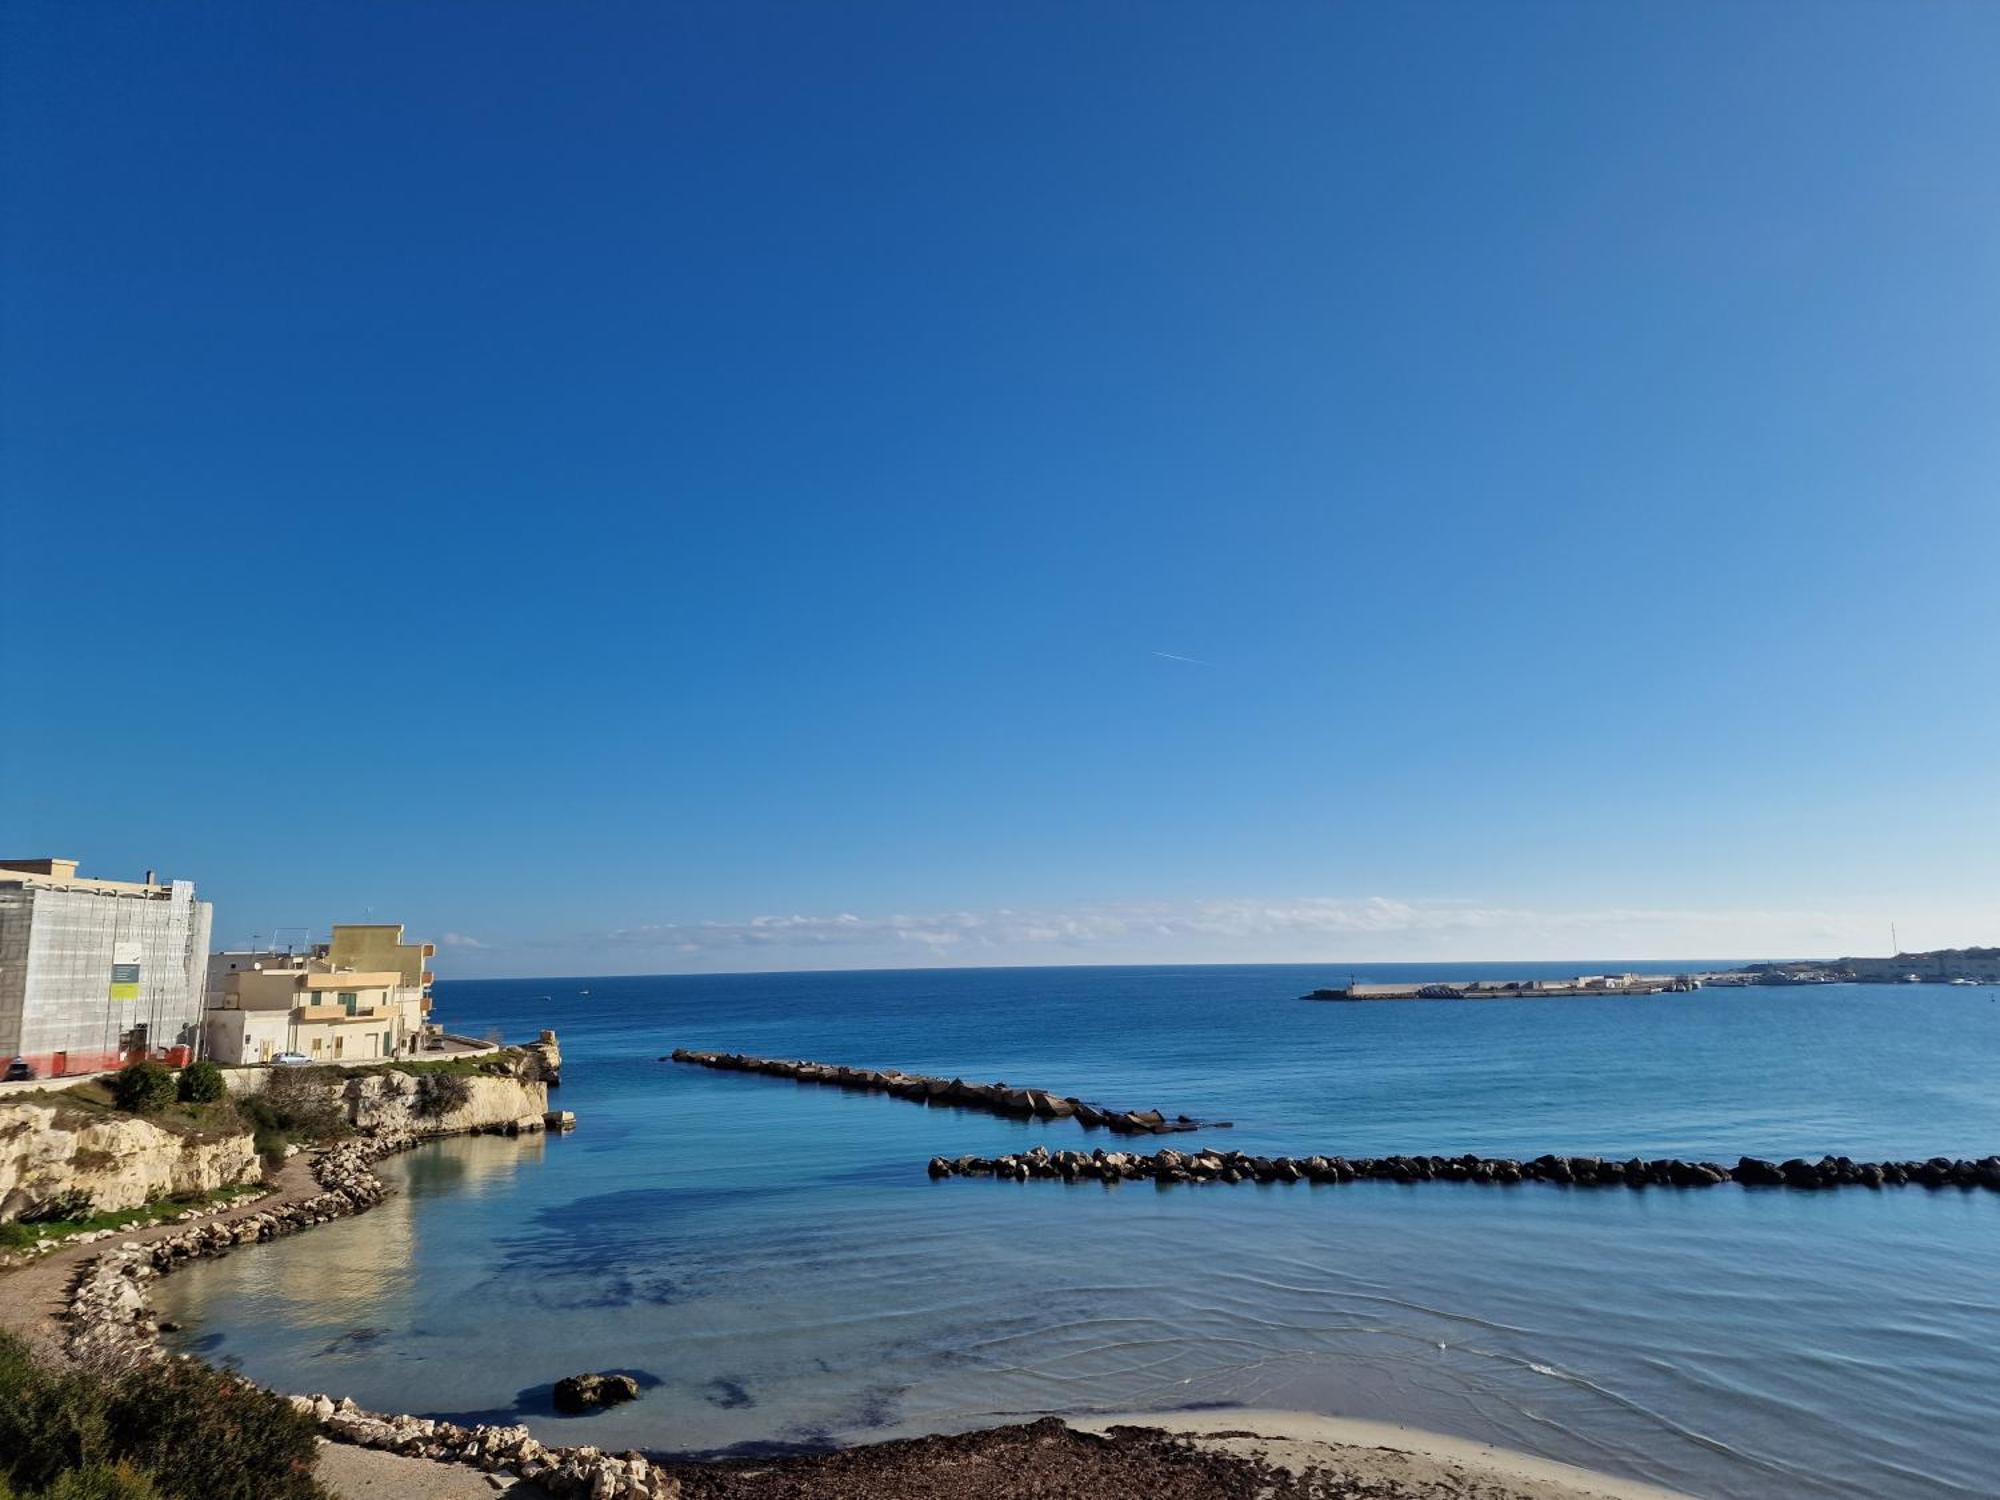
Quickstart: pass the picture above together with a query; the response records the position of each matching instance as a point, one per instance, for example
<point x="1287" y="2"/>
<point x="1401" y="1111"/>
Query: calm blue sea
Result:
<point x="775" y="1262"/>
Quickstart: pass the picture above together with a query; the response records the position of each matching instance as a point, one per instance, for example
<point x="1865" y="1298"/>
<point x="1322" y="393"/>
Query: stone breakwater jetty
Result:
<point x="918" y="1088"/>
<point x="1572" y="1171"/>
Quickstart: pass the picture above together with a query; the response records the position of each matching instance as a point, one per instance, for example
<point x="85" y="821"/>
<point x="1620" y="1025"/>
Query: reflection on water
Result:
<point x="353" y="1281"/>
<point x="773" y="1261"/>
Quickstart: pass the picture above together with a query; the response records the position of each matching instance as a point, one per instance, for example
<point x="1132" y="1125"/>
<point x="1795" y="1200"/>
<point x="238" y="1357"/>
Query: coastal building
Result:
<point x="98" y="973"/>
<point x="380" y="946"/>
<point x="362" y="996"/>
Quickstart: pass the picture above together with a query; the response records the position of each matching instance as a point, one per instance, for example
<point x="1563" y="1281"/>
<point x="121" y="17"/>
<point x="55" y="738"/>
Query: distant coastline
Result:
<point x="1952" y="966"/>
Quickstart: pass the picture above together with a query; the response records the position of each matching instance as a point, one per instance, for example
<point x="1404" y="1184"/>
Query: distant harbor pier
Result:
<point x="1959" y="967"/>
<point x="1517" y="989"/>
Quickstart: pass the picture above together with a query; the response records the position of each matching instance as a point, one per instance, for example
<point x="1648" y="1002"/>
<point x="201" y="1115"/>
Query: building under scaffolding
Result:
<point x="96" y="973"/>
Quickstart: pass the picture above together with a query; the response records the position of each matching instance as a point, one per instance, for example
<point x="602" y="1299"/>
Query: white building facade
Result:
<point x="98" y="973"/>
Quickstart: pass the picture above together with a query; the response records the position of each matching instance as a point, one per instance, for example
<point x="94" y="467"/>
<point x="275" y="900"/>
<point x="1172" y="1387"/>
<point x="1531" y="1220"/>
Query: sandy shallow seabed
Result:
<point x="1430" y="1462"/>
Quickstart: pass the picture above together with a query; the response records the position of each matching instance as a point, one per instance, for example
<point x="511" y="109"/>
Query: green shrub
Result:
<point x="270" y="1146"/>
<point x="204" y="1435"/>
<point x="439" y="1094"/>
<point x="296" y="1104"/>
<point x="102" y="1482"/>
<point x="143" y="1088"/>
<point x="50" y="1423"/>
<point x="201" y="1083"/>
<point x="172" y="1431"/>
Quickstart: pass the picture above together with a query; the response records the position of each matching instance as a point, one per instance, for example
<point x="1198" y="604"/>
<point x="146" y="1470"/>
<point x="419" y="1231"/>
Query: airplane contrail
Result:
<point x="1193" y="661"/>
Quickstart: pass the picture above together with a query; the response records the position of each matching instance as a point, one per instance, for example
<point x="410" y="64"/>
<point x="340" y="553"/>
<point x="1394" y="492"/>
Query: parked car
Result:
<point x="19" y="1070"/>
<point x="292" y="1060"/>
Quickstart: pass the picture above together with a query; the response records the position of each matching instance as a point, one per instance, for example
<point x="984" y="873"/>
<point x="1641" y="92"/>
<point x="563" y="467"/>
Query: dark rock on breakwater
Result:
<point x="1571" y="1171"/>
<point x="919" y="1088"/>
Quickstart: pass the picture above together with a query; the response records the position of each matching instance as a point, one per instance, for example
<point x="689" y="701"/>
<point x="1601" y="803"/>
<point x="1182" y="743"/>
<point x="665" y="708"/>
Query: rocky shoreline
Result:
<point x="1171" y="1166"/>
<point x="110" y="1325"/>
<point x="1003" y="1099"/>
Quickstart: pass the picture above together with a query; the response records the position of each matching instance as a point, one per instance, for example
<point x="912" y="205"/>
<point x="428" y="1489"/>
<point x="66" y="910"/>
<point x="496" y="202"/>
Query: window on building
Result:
<point x="348" y="1000"/>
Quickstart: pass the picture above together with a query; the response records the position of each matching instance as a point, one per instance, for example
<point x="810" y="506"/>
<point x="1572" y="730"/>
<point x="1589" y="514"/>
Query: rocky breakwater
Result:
<point x="1570" y="1171"/>
<point x="918" y="1088"/>
<point x="584" y="1473"/>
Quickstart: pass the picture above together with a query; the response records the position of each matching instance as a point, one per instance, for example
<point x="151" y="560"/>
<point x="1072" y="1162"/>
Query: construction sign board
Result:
<point x="125" y="971"/>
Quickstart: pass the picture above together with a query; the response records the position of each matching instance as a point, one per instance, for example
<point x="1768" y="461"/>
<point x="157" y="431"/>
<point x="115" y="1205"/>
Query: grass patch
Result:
<point x="85" y="1103"/>
<point x="502" y="1064"/>
<point x="21" y="1236"/>
<point x="297" y="1106"/>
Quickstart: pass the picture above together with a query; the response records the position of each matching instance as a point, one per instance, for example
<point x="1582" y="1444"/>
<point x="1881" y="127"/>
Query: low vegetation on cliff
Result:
<point x="506" y="1063"/>
<point x="144" y="1088"/>
<point x="293" y="1109"/>
<point x="147" y="1088"/>
<point x="178" y="1431"/>
<point x="438" y="1094"/>
<point x="97" y="1099"/>
<point x="202" y="1083"/>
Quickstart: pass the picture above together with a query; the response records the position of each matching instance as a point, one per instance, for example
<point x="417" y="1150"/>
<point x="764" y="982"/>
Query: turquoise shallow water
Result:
<point x="776" y="1263"/>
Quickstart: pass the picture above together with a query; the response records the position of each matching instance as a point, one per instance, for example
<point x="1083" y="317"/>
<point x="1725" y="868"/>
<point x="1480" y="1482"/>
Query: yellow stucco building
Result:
<point x="362" y="997"/>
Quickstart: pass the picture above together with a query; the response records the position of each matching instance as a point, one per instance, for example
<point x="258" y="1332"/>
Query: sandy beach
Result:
<point x="1426" y="1463"/>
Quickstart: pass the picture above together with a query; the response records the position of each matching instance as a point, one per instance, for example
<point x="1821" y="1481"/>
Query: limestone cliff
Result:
<point x="391" y="1103"/>
<point x="119" y="1161"/>
<point x="50" y="1151"/>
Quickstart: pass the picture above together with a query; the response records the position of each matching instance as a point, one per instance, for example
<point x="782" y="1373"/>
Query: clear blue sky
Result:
<point x="589" y="478"/>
